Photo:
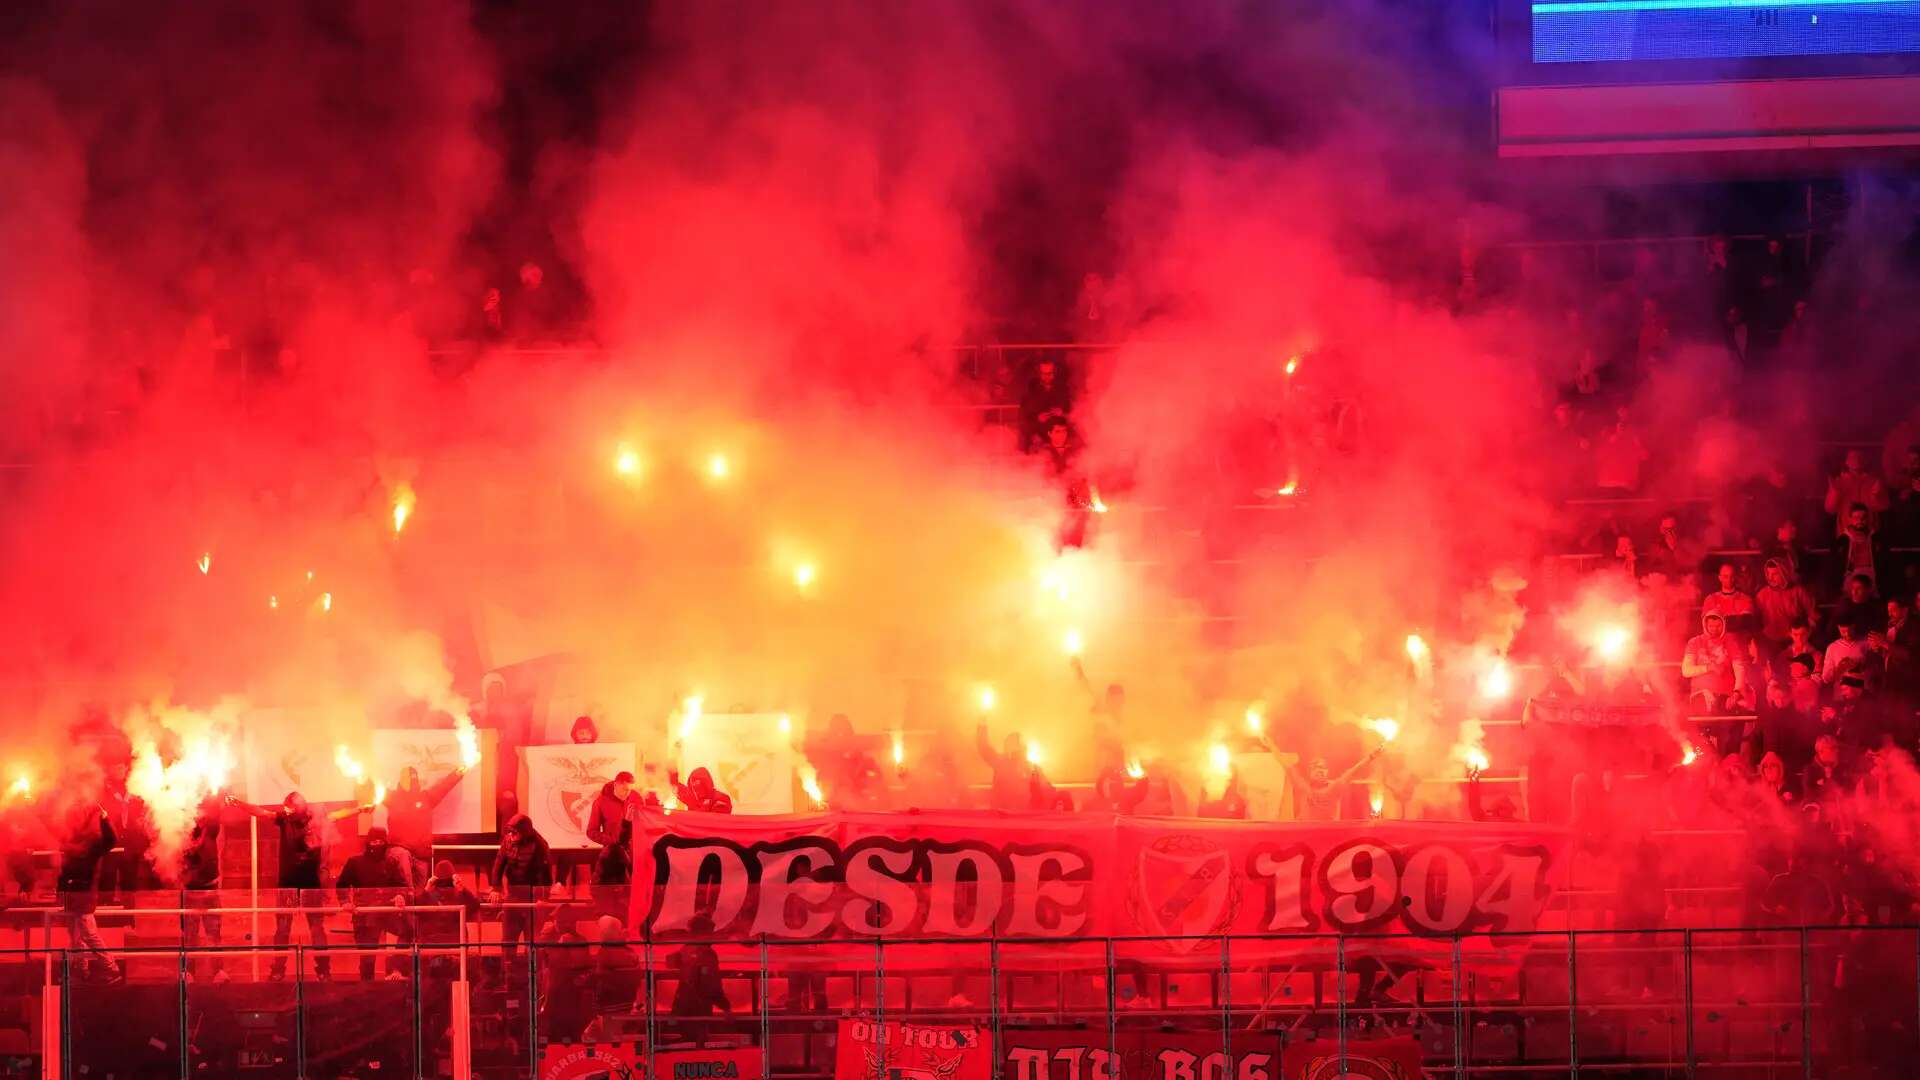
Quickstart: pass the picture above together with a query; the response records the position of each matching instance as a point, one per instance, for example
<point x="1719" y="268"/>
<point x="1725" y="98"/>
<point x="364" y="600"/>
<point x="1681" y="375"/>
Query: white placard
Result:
<point x="563" y="780"/>
<point x="750" y="758"/>
<point x="435" y="751"/>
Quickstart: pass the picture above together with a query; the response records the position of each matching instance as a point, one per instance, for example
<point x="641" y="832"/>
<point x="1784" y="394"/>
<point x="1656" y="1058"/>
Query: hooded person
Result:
<point x="699" y="793"/>
<point x="849" y="777"/>
<point x="1709" y="663"/>
<point x="522" y="871"/>
<point x="410" y="810"/>
<point x="1012" y="770"/>
<point x="584" y="731"/>
<point x="1114" y="792"/>
<point x="375" y="877"/>
<point x="443" y="889"/>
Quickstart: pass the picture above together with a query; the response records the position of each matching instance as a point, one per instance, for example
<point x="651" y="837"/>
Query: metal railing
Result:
<point x="1759" y="1001"/>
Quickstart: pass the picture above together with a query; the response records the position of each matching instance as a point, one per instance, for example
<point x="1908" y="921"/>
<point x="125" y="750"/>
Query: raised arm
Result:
<point x="346" y="812"/>
<point x="1354" y="770"/>
<point x="264" y="813"/>
<point x="985" y="745"/>
<point x="444" y="786"/>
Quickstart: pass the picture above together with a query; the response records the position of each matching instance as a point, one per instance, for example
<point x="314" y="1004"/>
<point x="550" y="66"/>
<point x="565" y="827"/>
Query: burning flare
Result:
<point x="786" y="724"/>
<point x="1416" y="648"/>
<point x="1135" y="770"/>
<point x="1097" y="505"/>
<point x="803" y="575"/>
<point x="348" y="765"/>
<point x="987" y="699"/>
<point x="810" y="783"/>
<point x="1388" y="729"/>
<point x="718" y="467"/>
<point x="626" y="461"/>
<point x="1375" y="803"/>
<point x="403" y="501"/>
<point x="1034" y="754"/>
<point x="1256" y="723"/>
<point x="690" y="714"/>
<point x="1497" y="683"/>
<point x="1612" y="643"/>
<point x="379" y="794"/>
<point x="1689" y="754"/>
<point x="205" y="562"/>
<point x="468" y="737"/>
<point x="1073" y="643"/>
<point x="22" y="786"/>
<point x="1477" y="760"/>
<point x="1220" y="759"/>
<point x="1293" y="365"/>
<point x="899" y="750"/>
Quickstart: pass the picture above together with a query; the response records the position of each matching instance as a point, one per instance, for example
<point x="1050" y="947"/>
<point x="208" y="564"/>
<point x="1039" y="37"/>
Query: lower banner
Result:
<point x="1376" y="1059"/>
<point x="590" y="1061"/>
<point x="894" y="1051"/>
<point x="1592" y="712"/>
<point x="1275" y="888"/>
<point x="628" y="1061"/>
<point x="1134" y="1054"/>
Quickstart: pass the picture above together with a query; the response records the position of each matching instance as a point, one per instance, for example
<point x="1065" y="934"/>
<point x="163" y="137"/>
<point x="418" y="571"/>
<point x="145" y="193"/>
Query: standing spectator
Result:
<point x="200" y="885"/>
<point x="534" y="313"/>
<point x="522" y="871"/>
<point x="89" y="837"/>
<point x="1902" y="526"/>
<point x="493" y="317"/>
<point x="849" y="777"/>
<point x="410" y="819"/>
<point x="1735" y="332"/>
<point x="1773" y="780"/>
<point x="584" y="731"/>
<point x="1044" y="401"/>
<point x="1717" y="681"/>
<point x="1728" y="602"/>
<point x="1012" y="771"/>
<point x="1655" y="335"/>
<point x="1847" y="654"/>
<point x="1858" y="552"/>
<point x="1619" y="456"/>
<point x="1671" y="554"/>
<point x="1782" y="602"/>
<point x="302" y="858"/>
<point x="375" y="878"/>
<point x="1803" y="678"/>
<point x="1825" y="779"/>
<point x="1854" y="486"/>
<point x="1061" y="449"/>
<point x="696" y="967"/>
<point x="1788" y="549"/>
<point x="1899" y="649"/>
<point x="1859" y="606"/>
<point x="699" y="793"/>
<point x="610" y="809"/>
<point x="1114" y="792"/>
<point x="1317" y="793"/>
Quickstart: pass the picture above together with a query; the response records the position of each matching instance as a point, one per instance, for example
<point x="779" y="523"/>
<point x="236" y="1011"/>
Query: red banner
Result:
<point x="1378" y="1059"/>
<point x="1180" y="882"/>
<point x="718" y="1063"/>
<point x="894" y="1051"/>
<point x="1136" y="1054"/>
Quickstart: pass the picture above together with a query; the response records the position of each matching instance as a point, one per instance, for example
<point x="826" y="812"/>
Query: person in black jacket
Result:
<point x="89" y="837"/>
<point x="376" y="878"/>
<point x="410" y="810"/>
<point x="302" y="858"/>
<point x="522" y="872"/>
<point x="200" y="884"/>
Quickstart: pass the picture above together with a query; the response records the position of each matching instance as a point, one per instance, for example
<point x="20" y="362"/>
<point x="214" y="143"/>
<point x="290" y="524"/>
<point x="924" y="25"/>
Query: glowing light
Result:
<point x="718" y="467"/>
<point x="1497" y="683"/>
<point x="987" y="699"/>
<point x="205" y="562"/>
<point x="1416" y="648"/>
<point x="1376" y="802"/>
<point x="348" y="765"/>
<point x="1388" y="729"/>
<point x="1135" y="770"/>
<point x="1689" y="755"/>
<point x="1612" y="643"/>
<point x="1034" y="754"/>
<point x="1255" y="722"/>
<point x="22" y="786"/>
<point x="1220" y="758"/>
<point x="403" y="502"/>
<point x="379" y="794"/>
<point x="899" y="750"/>
<point x="690" y="714"/>
<point x="1097" y="505"/>
<point x="326" y="601"/>
<point x="803" y="575"/>
<point x="1072" y="642"/>
<point x="810" y="783"/>
<point x="468" y="737"/>
<point x="309" y="575"/>
<point x="626" y="461"/>
<point x="1477" y="760"/>
<point x="786" y="724"/>
<point x="1056" y="583"/>
<point x="273" y="602"/>
<point x="1293" y="364"/>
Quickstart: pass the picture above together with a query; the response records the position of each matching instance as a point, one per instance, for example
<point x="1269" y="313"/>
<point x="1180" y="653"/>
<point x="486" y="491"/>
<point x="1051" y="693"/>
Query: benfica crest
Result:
<point x="1378" y="1059"/>
<point x="1184" y="886"/>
